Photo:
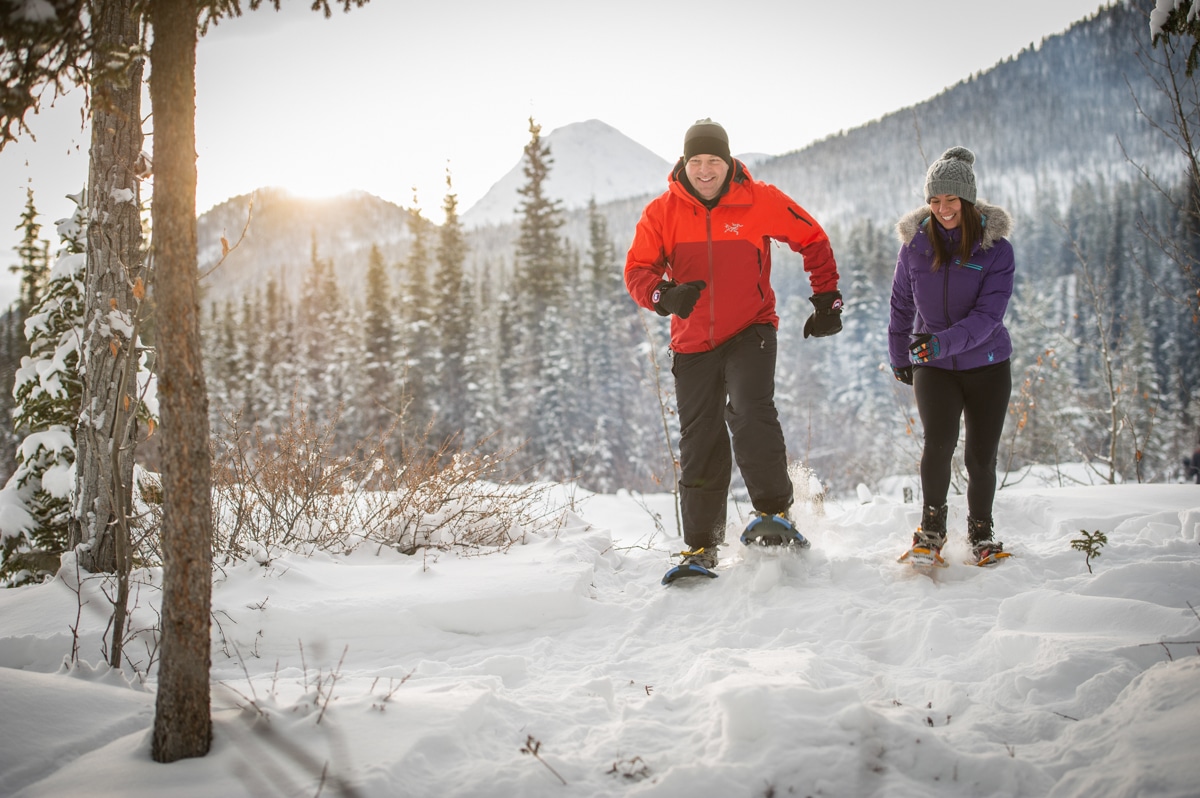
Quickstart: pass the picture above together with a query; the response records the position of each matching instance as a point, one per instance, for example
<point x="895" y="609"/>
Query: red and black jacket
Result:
<point x="679" y="239"/>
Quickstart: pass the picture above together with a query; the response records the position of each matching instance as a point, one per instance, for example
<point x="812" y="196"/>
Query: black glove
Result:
<point x="903" y="373"/>
<point x="925" y="348"/>
<point x="827" y="320"/>
<point x="678" y="299"/>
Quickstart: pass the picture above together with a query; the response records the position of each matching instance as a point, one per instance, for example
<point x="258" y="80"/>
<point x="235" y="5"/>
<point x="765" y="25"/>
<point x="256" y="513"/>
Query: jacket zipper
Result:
<point x="946" y="308"/>
<point x="712" y="306"/>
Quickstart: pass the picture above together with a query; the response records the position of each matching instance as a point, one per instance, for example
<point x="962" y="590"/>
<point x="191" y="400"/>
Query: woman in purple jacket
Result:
<point x="946" y="338"/>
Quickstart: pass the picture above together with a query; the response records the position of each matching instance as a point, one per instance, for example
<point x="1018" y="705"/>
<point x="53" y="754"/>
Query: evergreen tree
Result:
<point x="37" y="498"/>
<point x="488" y="341"/>
<point x="34" y="253"/>
<point x="33" y="266"/>
<point x="320" y="339"/>
<point x="1042" y="407"/>
<point x="13" y="347"/>
<point x="418" y="341"/>
<point x="222" y="365"/>
<point x="454" y="320"/>
<point x="592" y="359"/>
<point x="270" y="348"/>
<point x="379" y="346"/>
<point x="540" y="269"/>
<point x="1170" y="63"/>
<point x="1180" y="29"/>
<point x="543" y="270"/>
<point x="253" y="397"/>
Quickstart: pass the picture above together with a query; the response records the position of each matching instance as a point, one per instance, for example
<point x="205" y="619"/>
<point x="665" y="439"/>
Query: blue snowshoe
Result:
<point x="700" y="562"/>
<point x="766" y="529"/>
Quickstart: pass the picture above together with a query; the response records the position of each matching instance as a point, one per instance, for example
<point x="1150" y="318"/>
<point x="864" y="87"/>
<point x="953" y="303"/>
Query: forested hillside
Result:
<point x="1063" y="110"/>
<point x="522" y="336"/>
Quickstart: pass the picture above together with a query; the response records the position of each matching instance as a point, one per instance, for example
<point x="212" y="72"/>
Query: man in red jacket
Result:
<point x="702" y="255"/>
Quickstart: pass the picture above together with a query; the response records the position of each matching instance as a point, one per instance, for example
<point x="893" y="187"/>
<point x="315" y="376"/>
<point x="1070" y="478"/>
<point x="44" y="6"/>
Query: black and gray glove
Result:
<point x="678" y="299"/>
<point x="827" y="319"/>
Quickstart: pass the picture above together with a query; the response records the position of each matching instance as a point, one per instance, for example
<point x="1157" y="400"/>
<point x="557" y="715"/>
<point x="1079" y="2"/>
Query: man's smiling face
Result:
<point x="707" y="174"/>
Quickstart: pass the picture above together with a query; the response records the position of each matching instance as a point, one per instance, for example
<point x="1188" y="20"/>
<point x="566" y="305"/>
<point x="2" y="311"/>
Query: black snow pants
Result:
<point x="979" y="397"/>
<point x="730" y="389"/>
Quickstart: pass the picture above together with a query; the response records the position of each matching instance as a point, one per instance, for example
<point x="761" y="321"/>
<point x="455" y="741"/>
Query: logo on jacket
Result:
<point x="734" y="228"/>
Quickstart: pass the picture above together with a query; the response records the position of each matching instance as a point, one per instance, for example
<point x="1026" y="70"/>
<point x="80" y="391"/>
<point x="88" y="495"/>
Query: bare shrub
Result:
<point x="290" y="492"/>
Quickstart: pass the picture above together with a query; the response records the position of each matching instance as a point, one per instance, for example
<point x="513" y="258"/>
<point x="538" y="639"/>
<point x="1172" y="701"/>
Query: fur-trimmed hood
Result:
<point x="997" y="224"/>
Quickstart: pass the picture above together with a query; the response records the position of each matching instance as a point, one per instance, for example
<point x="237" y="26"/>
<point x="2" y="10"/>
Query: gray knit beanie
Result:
<point x="952" y="174"/>
<point x="706" y="137"/>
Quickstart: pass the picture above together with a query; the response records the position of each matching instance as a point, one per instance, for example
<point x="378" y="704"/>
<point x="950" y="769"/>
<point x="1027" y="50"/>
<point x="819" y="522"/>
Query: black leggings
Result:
<point x="980" y="398"/>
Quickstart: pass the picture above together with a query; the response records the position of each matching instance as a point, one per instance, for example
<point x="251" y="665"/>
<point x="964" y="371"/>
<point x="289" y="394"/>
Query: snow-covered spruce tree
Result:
<point x="379" y="347"/>
<point x="34" y="257"/>
<point x="13" y="347"/>
<point x="329" y="344"/>
<point x="542" y="309"/>
<point x="454" y="317"/>
<point x="270" y="347"/>
<point x="1171" y="64"/>
<point x="541" y="272"/>
<point x="610" y="394"/>
<point x="417" y="353"/>
<point x="41" y="51"/>
<point x="485" y="366"/>
<point x="221" y="363"/>
<point x="33" y="267"/>
<point x="36" y="501"/>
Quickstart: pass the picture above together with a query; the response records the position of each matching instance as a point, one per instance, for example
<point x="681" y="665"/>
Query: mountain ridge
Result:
<point x="1039" y="122"/>
<point x="590" y="160"/>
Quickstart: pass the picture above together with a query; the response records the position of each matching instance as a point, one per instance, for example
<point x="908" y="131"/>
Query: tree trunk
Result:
<point x="105" y="435"/>
<point x="182" y="721"/>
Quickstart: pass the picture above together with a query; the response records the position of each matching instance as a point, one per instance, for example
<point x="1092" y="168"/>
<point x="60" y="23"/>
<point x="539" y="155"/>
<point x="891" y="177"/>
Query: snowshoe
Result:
<point x="984" y="549"/>
<point x="767" y="529"/>
<point x="927" y="541"/>
<point x="699" y="562"/>
<point x="922" y="555"/>
<point x="987" y="552"/>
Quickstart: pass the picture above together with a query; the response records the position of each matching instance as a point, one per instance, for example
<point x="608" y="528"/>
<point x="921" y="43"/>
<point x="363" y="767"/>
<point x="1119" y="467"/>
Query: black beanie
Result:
<point x="706" y="137"/>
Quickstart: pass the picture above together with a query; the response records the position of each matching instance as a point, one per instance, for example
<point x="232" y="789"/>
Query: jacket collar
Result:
<point x="997" y="224"/>
<point x="679" y="185"/>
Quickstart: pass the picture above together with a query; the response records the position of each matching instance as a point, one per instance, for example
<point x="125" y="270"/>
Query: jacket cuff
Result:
<point x="656" y="297"/>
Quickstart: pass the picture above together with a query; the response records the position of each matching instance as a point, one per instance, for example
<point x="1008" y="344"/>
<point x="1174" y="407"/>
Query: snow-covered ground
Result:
<point x="561" y="667"/>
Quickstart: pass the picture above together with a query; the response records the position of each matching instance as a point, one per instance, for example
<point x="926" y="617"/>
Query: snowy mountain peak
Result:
<point x="591" y="160"/>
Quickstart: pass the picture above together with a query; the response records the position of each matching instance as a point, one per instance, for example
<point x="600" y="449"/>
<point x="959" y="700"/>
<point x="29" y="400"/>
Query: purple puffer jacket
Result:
<point x="963" y="304"/>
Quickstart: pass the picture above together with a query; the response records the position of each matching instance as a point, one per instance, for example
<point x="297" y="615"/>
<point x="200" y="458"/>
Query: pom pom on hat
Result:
<point x="706" y="137"/>
<point x="952" y="174"/>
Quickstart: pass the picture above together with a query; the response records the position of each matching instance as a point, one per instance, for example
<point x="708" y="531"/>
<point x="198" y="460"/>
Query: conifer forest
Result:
<point x="520" y="343"/>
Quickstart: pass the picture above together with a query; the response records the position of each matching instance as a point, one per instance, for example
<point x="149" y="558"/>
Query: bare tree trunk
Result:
<point x="182" y="721"/>
<point x="104" y="438"/>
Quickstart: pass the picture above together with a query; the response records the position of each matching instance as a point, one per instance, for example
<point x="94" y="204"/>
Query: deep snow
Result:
<point x="831" y="672"/>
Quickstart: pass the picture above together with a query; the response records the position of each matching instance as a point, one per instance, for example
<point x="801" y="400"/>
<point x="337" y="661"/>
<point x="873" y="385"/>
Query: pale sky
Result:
<point x="384" y="98"/>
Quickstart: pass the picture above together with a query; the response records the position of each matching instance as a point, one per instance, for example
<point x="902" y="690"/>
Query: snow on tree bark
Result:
<point x="105" y="436"/>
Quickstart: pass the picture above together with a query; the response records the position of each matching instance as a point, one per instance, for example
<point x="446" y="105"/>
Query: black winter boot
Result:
<point x="931" y="533"/>
<point x="928" y="540"/>
<point x="984" y="548"/>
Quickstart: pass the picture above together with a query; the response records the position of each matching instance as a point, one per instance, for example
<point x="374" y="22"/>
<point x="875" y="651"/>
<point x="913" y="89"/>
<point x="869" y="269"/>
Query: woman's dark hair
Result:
<point x="971" y="224"/>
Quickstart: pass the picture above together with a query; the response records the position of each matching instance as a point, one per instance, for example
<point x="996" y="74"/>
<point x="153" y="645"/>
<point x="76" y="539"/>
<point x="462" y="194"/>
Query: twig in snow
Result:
<point x="533" y="747"/>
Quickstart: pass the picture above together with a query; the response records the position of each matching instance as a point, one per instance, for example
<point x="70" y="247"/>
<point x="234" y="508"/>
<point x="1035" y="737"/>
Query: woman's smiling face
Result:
<point x="948" y="210"/>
